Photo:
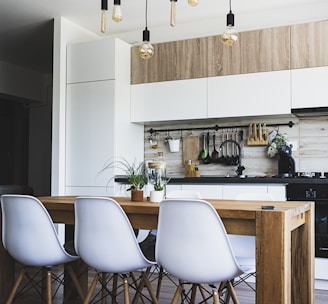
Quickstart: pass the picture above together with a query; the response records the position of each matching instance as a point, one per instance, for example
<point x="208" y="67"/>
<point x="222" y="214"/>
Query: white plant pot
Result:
<point x="156" y="196"/>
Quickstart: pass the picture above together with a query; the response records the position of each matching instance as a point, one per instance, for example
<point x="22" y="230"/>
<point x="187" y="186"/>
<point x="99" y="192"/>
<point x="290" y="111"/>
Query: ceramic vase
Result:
<point x="156" y="196"/>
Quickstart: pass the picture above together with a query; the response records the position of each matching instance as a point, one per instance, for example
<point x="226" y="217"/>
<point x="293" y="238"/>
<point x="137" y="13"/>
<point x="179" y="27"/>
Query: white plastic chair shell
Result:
<point x="28" y="233"/>
<point x="104" y="237"/>
<point x="192" y="243"/>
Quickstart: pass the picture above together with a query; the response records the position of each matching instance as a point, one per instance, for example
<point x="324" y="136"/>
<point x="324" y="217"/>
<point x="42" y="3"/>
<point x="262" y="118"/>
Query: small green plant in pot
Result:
<point x="157" y="194"/>
<point x="135" y="173"/>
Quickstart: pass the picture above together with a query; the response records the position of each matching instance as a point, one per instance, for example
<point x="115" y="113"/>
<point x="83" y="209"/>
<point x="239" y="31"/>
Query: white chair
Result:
<point x="105" y="240"/>
<point x="29" y="236"/>
<point x="192" y="244"/>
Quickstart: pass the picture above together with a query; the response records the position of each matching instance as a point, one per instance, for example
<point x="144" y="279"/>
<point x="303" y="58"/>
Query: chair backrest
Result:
<point x="192" y="243"/>
<point x="183" y="194"/>
<point x="28" y="233"/>
<point x="104" y="237"/>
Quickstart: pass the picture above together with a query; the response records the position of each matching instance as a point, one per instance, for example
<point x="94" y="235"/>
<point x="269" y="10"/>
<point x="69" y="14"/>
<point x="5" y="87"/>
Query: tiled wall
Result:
<point x="309" y="137"/>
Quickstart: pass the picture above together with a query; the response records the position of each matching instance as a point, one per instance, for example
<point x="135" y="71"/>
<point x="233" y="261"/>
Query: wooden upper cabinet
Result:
<point x="185" y="59"/>
<point x="309" y="45"/>
<point x="265" y="50"/>
<point x="257" y="51"/>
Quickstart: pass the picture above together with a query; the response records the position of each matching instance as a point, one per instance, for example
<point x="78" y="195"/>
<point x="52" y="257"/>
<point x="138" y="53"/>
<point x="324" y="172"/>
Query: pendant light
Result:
<point x="146" y="50"/>
<point x="193" y="2"/>
<point x="173" y="12"/>
<point x="104" y="8"/>
<point x="230" y="35"/>
<point x="117" y="11"/>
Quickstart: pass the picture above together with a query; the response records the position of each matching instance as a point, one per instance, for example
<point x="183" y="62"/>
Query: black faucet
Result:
<point x="240" y="168"/>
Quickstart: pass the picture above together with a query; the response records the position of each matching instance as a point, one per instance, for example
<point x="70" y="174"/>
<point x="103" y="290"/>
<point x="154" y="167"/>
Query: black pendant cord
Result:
<point x="146" y="17"/>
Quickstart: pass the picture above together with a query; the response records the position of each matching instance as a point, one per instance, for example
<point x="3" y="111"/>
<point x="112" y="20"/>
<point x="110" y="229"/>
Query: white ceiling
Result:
<point x="26" y="29"/>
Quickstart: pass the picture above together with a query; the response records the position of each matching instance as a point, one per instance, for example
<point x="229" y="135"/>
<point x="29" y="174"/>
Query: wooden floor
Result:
<point x="244" y="293"/>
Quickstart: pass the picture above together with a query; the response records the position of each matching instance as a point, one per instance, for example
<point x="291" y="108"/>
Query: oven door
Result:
<point x="321" y="229"/>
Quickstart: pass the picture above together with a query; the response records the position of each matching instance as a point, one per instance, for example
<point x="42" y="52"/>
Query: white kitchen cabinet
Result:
<point x="309" y="87"/>
<point x="277" y="192"/>
<point x="169" y="100"/>
<point x="98" y="126"/>
<point x="206" y="191"/>
<point x="252" y="94"/>
<point x="91" y="61"/>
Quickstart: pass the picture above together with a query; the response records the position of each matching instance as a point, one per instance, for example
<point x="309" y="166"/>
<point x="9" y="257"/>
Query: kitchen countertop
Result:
<point x="212" y="179"/>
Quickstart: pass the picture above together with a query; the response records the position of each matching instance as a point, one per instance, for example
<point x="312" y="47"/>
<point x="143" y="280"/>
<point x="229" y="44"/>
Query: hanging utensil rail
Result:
<point x="217" y="127"/>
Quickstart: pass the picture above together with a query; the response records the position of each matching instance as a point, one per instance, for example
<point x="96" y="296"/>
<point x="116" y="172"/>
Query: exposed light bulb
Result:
<point x="230" y="35"/>
<point x="146" y="50"/>
<point x="104" y="8"/>
<point x="193" y="2"/>
<point x="173" y="12"/>
<point x="117" y="11"/>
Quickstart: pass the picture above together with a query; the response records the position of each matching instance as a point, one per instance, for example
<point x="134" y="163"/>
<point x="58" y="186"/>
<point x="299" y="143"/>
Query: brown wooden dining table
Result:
<point x="284" y="241"/>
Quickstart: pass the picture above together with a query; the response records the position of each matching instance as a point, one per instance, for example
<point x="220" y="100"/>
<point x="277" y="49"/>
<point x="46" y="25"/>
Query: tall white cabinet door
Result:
<point x="90" y="132"/>
<point x="309" y="87"/>
<point x="169" y="100"/>
<point x="91" y="61"/>
<point x="249" y="94"/>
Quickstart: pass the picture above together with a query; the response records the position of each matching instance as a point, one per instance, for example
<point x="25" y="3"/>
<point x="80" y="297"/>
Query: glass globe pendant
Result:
<point x="146" y="50"/>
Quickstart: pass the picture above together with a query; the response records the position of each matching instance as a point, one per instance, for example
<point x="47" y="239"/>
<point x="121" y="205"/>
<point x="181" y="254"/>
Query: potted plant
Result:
<point x="136" y="176"/>
<point x="157" y="194"/>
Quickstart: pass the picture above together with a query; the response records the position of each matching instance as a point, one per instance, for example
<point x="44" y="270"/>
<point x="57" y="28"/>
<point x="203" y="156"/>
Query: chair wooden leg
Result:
<point x="193" y="293"/>
<point x="177" y="294"/>
<point x="215" y="297"/>
<point x="75" y="281"/>
<point x="232" y="292"/>
<point x="150" y="289"/>
<point x="126" y="291"/>
<point x="49" y="293"/>
<point x="91" y="290"/>
<point x="16" y="285"/>
<point x="159" y="281"/>
<point x="114" y="290"/>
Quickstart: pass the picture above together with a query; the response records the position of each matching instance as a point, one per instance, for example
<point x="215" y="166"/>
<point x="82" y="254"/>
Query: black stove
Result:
<point x="317" y="192"/>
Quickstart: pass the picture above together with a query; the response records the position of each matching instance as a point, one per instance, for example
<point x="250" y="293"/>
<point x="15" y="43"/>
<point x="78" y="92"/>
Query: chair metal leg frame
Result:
<point x="243" y="279"/>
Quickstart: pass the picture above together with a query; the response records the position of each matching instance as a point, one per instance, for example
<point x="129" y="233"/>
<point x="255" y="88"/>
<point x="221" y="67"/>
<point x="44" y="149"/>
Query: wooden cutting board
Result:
<point x="190" y="148"/>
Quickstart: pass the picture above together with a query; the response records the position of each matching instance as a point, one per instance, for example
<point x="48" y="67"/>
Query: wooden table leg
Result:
<point x="303" y="261"/>
<point x="285" y="258"/>
<point x="273" y="259"/>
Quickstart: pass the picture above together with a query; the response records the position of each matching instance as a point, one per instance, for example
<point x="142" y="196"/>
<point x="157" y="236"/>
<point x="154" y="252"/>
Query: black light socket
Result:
<point x="117" y="2"/>
<point x="146" y="35"/>
<point x="104" y="5"/>
<point x="230" y="19"/>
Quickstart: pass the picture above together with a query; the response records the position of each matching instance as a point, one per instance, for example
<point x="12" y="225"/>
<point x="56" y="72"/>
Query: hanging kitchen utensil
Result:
<point x="221" y="159"/>
<point x="215" y="153"/>
<point x="207" y="159"/>
<point x="203" y="153"/>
